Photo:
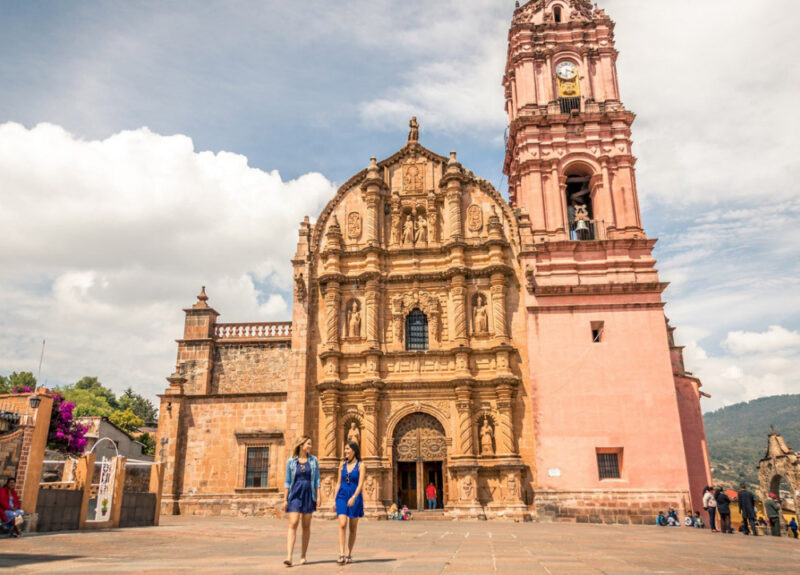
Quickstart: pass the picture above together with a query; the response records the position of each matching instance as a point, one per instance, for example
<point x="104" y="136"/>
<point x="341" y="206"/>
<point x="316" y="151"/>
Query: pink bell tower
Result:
<point x="619" y="431"/>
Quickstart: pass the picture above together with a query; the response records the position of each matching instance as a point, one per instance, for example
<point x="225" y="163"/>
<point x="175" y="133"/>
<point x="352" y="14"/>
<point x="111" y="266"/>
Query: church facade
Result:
<point x="513" y="353"/>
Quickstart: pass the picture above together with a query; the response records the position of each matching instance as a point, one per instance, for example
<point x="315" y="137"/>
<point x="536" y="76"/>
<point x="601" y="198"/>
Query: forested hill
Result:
<point x="737" y="435"/>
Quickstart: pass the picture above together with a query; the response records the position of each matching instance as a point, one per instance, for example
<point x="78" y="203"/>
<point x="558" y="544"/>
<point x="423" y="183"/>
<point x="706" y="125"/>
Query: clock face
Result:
<point x="566" y="70"/>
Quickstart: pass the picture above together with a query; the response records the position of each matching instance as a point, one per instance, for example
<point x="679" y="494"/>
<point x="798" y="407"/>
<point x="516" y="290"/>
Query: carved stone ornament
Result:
<point x="353" y="320"/>
<point x="475" y="218"/>
<point x="327" y="487"/>
<point x="353" y="225"/>
<point x="487" y="438"/>
<point x="468" y="488"/>
<point x="413" y="178"/>
<point x="425" y="302"/>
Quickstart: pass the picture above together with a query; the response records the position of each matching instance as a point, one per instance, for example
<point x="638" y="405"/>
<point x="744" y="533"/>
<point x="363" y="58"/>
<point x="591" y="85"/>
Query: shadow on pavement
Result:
<point x="19" y="559"/>
<point x="352" y="563"/>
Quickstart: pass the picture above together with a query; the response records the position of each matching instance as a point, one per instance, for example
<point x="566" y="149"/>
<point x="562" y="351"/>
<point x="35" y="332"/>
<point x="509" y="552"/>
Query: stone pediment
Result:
<point x="540" y="12"/>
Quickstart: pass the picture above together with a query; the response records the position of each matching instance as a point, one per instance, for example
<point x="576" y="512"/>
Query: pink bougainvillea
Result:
<point x="66" y="435"/>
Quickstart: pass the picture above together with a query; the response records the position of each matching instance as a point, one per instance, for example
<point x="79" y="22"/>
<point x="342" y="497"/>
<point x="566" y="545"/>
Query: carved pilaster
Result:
<point x="372" y="309"/>
<point x="433" y="219"/>
<point x="458" y="292"/>
<point x="505" y="445"/>
<point x="371" y="189"/>
<point x="332" y="301"/>
<point x="464" y="407"/>
<point x="499" y="282"/>
<point x="396" y="219"/>
<point x="329" y="406"/>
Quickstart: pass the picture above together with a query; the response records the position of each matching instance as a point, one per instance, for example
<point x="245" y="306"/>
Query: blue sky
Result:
<point x="148" y="148"/>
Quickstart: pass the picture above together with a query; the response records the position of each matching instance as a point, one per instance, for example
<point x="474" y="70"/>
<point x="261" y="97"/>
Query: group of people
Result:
<point x="717" y="503"/>
<point x="12" y="516"/>
<point x="302" y="486"/>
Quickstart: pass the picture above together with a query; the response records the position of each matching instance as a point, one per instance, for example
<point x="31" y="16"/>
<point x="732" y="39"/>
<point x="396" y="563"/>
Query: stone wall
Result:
<point x="250" y="368"/>
<point x="10" y="452"/>
<point x="617" y="506"/>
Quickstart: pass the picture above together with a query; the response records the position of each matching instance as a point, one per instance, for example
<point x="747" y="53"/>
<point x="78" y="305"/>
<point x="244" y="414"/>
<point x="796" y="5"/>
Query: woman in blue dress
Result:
<point x="349" y="503"/>
<point x="302" y="493"/>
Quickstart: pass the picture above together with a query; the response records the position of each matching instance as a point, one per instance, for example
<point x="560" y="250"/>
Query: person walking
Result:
<point x="724" y="510"/>
<point x="747" y="507"/>
<point x="430" y="493"/>
<point x="10" y="508"/>
<point x="710" y="506"/>
<point x="793" y="527"/>
<point x="349" y="502"/>
<point x="773" y="509"/>
<point x="302" y="485"/>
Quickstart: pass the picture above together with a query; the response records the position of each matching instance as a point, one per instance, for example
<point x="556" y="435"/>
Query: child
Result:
<point x="698" y="521"/>
<point x="661" y="520"/>
<point x="688" y="521"/>
<point x="793" y="527"/>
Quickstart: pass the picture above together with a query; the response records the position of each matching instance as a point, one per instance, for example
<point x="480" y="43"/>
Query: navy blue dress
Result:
<point x="301" y="498"/>
<point x="347" y="488"/>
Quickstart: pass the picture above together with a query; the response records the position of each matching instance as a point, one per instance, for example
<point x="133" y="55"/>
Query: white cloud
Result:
<point x="758" y="365"/>
<point x="104" y="242"/>
<point x="775" y="339"/>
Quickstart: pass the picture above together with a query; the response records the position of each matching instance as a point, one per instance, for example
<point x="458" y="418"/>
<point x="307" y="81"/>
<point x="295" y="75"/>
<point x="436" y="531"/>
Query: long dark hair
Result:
<point x="356" y="450"/>
<point x="299" y="444"/>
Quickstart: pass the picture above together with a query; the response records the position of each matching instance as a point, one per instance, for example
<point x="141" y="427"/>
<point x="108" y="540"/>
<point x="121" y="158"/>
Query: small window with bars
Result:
<point x="608" y="464"/>
<point x="257" y="467"/>
<point x="416" y="331"/>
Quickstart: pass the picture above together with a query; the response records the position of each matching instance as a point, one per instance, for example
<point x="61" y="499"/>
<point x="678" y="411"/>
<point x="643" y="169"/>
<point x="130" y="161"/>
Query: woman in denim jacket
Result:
<point x="301" y="496"/>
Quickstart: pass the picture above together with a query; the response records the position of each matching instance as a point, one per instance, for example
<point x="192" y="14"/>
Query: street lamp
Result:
<point x="34" y="401"/>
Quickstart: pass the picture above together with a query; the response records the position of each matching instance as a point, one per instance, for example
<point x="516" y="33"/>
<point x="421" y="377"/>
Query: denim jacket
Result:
<point x="291" y="470"/>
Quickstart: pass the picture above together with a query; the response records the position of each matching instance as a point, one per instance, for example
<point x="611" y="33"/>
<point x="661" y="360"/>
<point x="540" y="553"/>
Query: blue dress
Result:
<point x="301" y="498"/>
<point x="349" y="484"/>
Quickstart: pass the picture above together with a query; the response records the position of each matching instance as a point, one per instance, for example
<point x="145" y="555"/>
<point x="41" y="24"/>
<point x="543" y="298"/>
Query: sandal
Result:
<point x="340" y="560"/>
<point x="348" y="559"/>
<point x="287" y="562"/>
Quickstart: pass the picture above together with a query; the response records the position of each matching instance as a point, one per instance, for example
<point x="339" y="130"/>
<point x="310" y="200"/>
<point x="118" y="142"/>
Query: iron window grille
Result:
<point x="608" y="465"/>
<point x="257" y="467"/>
<point x="416" y="331"/>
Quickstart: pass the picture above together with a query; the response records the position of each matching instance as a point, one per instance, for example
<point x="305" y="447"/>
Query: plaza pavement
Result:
<point x="257" y="545"/>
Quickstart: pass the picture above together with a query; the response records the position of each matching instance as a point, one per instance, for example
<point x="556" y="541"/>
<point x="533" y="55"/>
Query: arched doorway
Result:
<point x="420" y="451"/>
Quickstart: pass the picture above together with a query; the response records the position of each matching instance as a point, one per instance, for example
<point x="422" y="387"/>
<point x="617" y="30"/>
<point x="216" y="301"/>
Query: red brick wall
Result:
<point x="618" y="506"/>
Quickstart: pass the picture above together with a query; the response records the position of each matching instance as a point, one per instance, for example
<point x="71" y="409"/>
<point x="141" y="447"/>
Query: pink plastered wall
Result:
<point x="618" y="393"/>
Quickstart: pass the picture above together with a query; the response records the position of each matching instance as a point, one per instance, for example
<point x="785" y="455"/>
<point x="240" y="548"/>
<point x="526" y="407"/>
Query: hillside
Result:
<point x="737" y="435"/>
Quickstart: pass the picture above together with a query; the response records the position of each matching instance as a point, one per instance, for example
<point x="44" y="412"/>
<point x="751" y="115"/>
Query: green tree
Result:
<point x="139" y="404"/>
<point x="126" y="420"/>
<point x="21" y="379"/>
<point x="149" y="443"/>
<point x="91" y="398"/>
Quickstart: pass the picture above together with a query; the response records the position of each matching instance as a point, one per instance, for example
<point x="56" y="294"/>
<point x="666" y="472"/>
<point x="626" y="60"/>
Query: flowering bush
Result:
<point x="65" y="435"/>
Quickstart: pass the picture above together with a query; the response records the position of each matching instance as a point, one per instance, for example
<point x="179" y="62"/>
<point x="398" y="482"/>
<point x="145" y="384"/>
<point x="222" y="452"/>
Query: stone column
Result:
<point x="464" y="407"/>
<point x="370" y="446"/>
<point x="452" y="182"/>
<point x="329" y="407"/>
<point x="505" y="441"/>
<point x="332" y="302"/>
<point x="458" y="292"/>
<point x="499" y="307"/>
<point x="372" y="313"/>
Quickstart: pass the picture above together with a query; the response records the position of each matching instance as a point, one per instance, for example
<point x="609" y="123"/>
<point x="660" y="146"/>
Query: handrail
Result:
<point x="265" y="330"/>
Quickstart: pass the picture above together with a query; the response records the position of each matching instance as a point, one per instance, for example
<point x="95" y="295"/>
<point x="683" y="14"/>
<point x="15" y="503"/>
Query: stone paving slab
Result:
<point x="257" y="545"/>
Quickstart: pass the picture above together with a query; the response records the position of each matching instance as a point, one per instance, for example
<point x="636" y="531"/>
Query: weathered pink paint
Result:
<point x="622" y="393"/>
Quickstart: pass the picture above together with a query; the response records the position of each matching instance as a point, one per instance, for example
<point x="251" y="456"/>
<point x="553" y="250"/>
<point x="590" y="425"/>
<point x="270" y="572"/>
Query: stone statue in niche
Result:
<point x="353" y="225"/>
<point x="487" y="437"/>
<point x="354" y="434"/>
<point x="422" y="230"/>
<point x="354" y="321"/>
<point x="474" y="218"/>
<point x="408" y="231"/>
<point x="480" y="320"/>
